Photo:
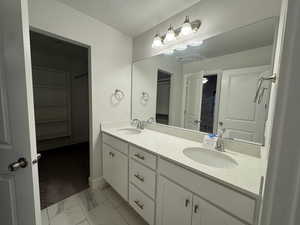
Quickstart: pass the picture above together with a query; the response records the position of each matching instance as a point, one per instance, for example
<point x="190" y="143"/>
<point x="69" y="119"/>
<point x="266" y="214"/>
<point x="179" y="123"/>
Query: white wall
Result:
<point x="217" y="17"/>
<point x="111" y="54"/>
<point x="249" y="58"/>
<point x="144" y="78"/>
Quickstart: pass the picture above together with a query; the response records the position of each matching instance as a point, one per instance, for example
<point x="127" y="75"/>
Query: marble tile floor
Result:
<point x="92" y="207"/>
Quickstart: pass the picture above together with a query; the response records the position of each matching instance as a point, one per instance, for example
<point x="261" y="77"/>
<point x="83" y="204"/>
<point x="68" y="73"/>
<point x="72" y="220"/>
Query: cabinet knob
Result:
<point x="187" y="202"/>
<point x="111" y="154"/>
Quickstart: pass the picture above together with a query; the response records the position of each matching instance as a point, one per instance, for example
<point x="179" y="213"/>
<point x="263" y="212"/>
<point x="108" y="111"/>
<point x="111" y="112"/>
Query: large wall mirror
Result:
<point x="211" y="86"/>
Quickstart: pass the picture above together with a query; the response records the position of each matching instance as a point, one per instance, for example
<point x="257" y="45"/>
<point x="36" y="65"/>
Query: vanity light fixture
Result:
<point x="170" y="35"/>
<point x="186" y="28"/>
<point x="204" y="80"/>
<point x="157" y="42"/>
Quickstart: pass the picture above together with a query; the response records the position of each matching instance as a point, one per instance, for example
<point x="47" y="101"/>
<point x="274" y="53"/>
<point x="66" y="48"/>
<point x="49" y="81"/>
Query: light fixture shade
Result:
<point x="157" y="42"/>
<point x="170" y="35"/>
<point x="186" y="27"/>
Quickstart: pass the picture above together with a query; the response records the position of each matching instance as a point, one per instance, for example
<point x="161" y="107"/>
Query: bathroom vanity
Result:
<point x="163" y="181"/>
<point x="219" y="86"/>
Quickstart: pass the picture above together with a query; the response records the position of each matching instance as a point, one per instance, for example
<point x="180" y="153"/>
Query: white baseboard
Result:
<point x="98" y="182"/>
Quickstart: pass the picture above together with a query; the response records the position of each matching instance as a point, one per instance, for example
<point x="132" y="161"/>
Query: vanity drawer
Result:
<point x="116" y="143"/>
<point x="142" y="204"/>
<point x="142" y="156"/>
<point x="230" y="200"/>
<point x="143" y="177"/>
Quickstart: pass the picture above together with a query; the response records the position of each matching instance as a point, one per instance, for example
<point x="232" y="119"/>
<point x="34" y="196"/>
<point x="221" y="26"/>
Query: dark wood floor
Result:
<point x="63" y="172"/>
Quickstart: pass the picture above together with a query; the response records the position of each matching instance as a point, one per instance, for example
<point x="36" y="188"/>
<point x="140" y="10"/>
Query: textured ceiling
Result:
<point x="131" y="17"/>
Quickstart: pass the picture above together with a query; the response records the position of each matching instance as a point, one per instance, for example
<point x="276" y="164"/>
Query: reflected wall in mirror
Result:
<point x="211" y="86"/>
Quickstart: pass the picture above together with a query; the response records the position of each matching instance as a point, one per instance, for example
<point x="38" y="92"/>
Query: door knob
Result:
<point x="21" y="163"/>
<point x="38" y="156"/>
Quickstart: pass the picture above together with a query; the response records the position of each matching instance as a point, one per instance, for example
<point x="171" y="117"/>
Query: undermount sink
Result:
<point x="129" y="131"/>
<point x="210" y="157"/>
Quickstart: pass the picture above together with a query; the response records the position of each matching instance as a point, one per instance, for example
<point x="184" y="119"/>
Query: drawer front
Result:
<point x="142" y="177"/>
<point x="116" y="143"/>
<point x="234" y="202"/>
<point x="115" y="170"/>
<point x="142" y="156"/>
<point x="142" y="204"/>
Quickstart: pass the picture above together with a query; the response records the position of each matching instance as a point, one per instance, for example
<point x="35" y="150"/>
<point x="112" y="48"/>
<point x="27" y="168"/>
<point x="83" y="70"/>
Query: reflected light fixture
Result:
<point x="168" y="52"/>
<point x="181" y="47"/>
<point x="196" y="43"/>
<point x="157" y="42"/>
<point x="186" y="27"/>
<point x="170" y="35"/>
<point x="204" y="80"/>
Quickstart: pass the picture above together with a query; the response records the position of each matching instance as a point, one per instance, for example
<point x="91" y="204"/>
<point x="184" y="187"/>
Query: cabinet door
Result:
<point x="206" y="214"/>
<point x="107" y="165"/>
<point x="115" y="170"/>
<point x="174" y="204"/>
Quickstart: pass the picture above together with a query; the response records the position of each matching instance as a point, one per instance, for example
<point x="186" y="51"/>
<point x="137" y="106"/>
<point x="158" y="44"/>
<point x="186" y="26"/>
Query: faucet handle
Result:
<point x="150" y="120"/>
<point x="221" y="131"/>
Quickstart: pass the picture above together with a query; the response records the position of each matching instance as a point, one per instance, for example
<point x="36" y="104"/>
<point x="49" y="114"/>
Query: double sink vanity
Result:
<point x="218" y="88"/>
<point x="170" y="180"/>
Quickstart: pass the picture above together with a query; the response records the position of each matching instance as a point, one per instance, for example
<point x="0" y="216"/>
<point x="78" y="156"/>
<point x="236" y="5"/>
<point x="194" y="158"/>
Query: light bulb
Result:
<point x="186" y="27"/>
<point x="170" y="35"/>
<point x="157" y="42"/>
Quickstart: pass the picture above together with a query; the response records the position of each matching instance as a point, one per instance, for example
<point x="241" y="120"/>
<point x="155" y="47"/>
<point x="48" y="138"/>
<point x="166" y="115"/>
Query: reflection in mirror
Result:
<point x="211" y="86"/>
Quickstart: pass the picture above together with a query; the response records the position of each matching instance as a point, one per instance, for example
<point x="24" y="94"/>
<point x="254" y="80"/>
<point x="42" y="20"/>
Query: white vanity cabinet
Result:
<point x="115" y="167"/>
<point x="165" y="193"/>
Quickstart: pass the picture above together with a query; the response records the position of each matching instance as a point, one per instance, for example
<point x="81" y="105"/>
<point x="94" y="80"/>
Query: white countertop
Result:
<point x="246" y="177"/>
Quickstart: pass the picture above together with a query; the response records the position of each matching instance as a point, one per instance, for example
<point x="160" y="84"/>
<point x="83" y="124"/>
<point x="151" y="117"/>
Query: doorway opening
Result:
<point x="209" y="91"/>
<point x="60" y="72"/>
<point x="163" y="97"/>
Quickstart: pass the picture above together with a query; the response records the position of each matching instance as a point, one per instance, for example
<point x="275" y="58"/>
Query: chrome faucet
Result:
<point x="220" y="140"/>
<point x="139" y="124"/>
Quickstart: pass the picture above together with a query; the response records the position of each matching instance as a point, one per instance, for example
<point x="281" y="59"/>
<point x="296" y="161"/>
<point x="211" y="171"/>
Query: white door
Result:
<point x="193" y="97"/>
<point x="242" y="118"/>
<point x="206" y="214"/>
<point x="19" y="189"/>
<point x="174" y="204"/>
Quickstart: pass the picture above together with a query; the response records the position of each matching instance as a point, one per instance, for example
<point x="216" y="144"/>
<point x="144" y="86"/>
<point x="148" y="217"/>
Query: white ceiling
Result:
<point x="131" y="17"/>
